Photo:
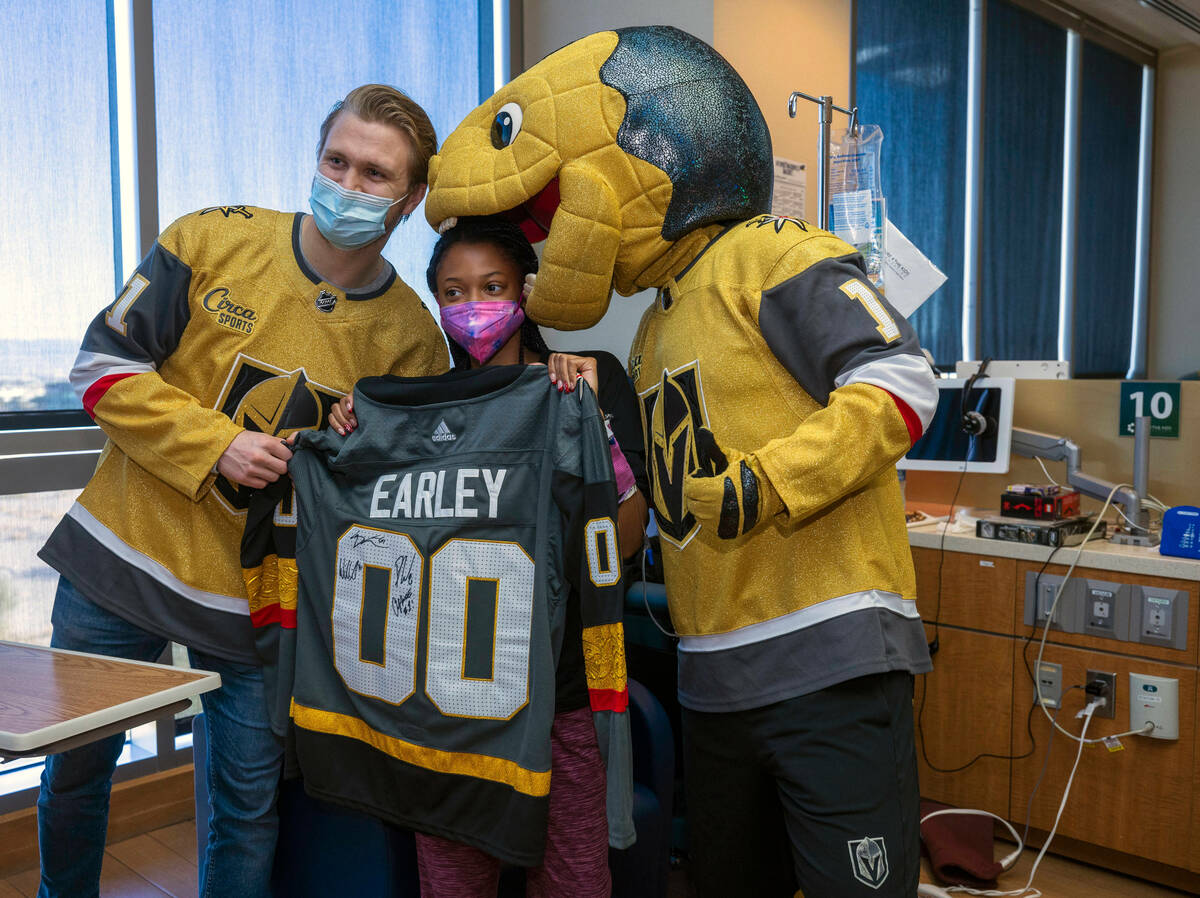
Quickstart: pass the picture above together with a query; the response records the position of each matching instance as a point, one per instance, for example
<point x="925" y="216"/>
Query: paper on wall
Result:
<point x="909" y="277"/>
<point x="788" y="196"/>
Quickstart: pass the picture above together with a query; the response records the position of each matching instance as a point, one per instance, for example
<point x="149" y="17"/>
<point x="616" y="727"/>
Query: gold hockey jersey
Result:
<point x="772" y="339"/>
<point x="223" y="327"/>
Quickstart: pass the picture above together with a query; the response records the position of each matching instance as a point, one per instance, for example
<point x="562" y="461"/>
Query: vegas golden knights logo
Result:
<point x="672" y="410"/>
<point x="260" y="397"/>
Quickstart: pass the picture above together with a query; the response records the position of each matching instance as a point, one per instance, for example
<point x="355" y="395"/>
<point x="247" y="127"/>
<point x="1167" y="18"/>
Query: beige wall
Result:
<point x="1175" y="218"/>
<point x="783" y="45"/>
<point x="551" y="24"/>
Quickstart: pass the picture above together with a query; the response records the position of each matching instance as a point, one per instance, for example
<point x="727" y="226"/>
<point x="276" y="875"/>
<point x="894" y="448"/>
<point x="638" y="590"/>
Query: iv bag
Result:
<point x="857" y="208"/>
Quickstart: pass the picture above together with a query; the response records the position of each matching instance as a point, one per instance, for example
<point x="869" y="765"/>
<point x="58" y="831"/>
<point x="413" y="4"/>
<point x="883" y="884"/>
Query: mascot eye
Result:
<point x="506" y="126"/>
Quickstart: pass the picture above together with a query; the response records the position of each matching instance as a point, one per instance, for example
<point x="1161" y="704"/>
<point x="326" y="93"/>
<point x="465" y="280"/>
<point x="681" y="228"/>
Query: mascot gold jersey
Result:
<point x="213" y="334"/>
<point x="777" y="387"/>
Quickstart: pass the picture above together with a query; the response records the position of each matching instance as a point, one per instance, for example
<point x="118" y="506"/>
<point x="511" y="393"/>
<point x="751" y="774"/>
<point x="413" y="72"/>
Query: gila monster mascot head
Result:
<point x="618" y="150"/>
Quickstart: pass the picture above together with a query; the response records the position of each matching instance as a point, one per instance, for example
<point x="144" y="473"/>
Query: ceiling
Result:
<point x="1138" y="20"/>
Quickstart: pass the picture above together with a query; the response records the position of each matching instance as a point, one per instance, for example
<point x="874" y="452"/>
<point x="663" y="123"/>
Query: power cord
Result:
<point x="1037" y="579"/>
<point x="1028" y="716"/>
<point x="971" y="426"/>
<point x="1027" y="891"/>
<point x="1037" y="686"/>
<point x="935" y="644"/>
<point x="1045" y="766"/>
<point x="1098" y="700"/>
<point x="981" y="755"/>
<point x="670" y="634"/>
<point x="937" y="608"/>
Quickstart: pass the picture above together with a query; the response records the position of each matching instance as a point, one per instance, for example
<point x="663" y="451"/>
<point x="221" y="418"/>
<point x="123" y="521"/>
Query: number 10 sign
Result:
<point x="1159" y="401"/>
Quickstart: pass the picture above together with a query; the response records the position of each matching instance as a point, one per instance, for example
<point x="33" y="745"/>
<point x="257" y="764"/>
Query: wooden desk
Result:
<point x="53" y="699"/>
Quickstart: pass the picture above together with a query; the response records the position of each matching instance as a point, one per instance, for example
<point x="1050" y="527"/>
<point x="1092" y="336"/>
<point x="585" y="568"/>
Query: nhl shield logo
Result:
<point x="325" y="301"/>
<point x="868" y="860"/>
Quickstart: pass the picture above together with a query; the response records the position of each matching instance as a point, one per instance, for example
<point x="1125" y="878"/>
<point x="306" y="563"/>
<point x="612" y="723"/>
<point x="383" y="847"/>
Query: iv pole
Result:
<point x="825" y="120"/>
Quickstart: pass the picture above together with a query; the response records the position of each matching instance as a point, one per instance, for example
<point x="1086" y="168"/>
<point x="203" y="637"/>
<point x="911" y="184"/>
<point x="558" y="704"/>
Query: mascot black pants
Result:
<point x="817" y="792"/>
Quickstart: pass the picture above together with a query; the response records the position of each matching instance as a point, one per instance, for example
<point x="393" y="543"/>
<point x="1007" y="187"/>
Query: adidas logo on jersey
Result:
<point x="442" y="434"/>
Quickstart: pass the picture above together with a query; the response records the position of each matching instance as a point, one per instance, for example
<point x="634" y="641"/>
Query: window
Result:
<point x="268" y="81"/>
<point x="1021" y="253"/>
<point x="1034" y="294"/>
<point x="55" y="176"/>
<point x="1107" y="212"/>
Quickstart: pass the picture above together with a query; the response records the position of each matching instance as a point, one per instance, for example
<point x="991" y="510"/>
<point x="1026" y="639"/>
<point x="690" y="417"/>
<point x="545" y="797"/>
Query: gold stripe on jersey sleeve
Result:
<point x="497" y="770"/>
<point x="604" y="656"/>
<point x="274" y="581"/>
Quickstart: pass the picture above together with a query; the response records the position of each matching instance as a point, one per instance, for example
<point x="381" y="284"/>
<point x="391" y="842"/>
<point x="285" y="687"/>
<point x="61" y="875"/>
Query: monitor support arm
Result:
<point x="1033" y="444"/>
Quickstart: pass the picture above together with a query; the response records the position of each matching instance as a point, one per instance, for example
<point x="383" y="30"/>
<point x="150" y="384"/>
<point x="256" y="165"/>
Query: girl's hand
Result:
<point x="342" y="418"/>
<point x="565" y="369"/>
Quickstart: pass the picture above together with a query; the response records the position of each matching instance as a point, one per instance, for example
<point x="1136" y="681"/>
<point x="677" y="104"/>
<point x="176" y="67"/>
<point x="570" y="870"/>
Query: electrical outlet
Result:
<point x="1049" y="684"/>
<point x="1109" y="709"/>
<point x="1039" y="597"/>
<point x="1048" y="588"/>
<point x="1154" y="700"/>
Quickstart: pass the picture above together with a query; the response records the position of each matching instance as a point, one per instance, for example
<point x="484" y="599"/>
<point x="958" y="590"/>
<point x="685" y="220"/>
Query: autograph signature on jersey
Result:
<point x="405" y="572"/>
<point x="403" y="604"/>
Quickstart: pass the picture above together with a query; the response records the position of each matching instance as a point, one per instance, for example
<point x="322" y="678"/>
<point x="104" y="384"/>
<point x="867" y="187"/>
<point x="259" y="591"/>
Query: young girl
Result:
<point x="477" y="273"/>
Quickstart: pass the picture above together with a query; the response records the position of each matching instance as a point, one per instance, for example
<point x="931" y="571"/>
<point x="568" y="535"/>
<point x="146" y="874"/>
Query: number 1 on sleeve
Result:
<point x="115" y="317"/>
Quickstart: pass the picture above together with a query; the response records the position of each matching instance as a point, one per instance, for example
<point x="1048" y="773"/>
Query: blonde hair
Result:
<point x="386" y="104"/>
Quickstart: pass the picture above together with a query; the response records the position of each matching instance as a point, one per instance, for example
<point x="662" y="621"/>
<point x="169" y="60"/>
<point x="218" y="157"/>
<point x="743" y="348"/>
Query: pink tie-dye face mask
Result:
<point x="483" y="326"/>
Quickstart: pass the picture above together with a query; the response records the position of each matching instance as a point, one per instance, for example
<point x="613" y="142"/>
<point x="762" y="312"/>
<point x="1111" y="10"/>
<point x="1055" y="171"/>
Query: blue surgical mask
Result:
<point x="348" y="218"/>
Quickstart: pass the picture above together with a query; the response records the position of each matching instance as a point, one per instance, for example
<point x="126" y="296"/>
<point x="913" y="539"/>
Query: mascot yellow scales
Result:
<point x="777" y="386"/>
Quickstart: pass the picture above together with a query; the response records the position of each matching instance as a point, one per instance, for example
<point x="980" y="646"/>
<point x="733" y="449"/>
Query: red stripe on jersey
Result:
<point x="273" y="614"/>
<point x="99" y="387"/>
<point x="608" y="699"/>
<point x="911" y="421"/>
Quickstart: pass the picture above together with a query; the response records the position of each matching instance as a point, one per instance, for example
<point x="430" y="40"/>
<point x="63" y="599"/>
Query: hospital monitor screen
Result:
<point x="947" y="446"/>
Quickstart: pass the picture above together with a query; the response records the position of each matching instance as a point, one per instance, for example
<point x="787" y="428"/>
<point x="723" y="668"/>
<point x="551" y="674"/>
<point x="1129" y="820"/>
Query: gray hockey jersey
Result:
<point x="409" y="602"/>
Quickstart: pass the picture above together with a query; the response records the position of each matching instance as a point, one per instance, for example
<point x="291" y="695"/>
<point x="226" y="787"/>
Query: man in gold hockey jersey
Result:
<point x="240" y="327"/>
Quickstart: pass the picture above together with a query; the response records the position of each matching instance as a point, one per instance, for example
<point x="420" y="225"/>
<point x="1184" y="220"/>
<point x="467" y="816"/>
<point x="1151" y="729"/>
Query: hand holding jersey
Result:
<point x="255" y="459"/>
<point x="566" y="368"/>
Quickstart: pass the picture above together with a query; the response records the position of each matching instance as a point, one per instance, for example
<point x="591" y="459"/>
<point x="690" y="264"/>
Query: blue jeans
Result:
<point x="244" y="762"/>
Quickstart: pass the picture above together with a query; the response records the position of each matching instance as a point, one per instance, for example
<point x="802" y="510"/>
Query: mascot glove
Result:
<point x="729" y="490"/>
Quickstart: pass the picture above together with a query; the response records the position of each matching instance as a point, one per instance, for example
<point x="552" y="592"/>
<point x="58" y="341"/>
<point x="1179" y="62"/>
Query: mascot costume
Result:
<point x="777" y="390"/>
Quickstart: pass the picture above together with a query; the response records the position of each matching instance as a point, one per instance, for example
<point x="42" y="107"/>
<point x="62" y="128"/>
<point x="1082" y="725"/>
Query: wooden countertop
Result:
<point x="1099" y="554"/>
<point x="52" y="699"/>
